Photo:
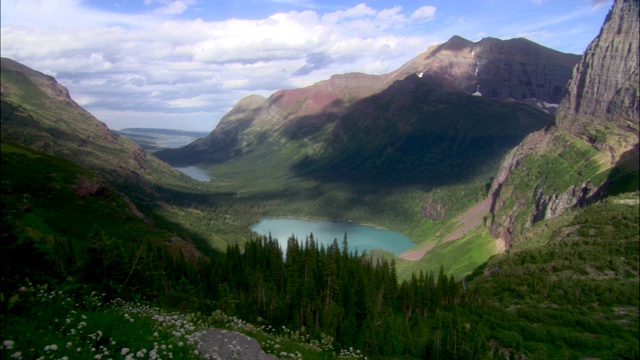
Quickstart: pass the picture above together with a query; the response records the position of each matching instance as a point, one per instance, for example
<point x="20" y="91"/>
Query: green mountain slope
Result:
<point x="415" y="133"/>
<point x="60" y="220"/>
<point x="570" y="283"/>
<point x="38" y="113"/>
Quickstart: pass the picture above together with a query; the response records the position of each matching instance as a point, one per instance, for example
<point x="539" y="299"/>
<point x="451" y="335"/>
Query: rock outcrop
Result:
<point x="604" y="87"/>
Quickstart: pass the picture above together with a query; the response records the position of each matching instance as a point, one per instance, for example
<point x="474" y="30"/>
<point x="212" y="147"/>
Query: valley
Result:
<point x="445" y="210"/>
<point x="152" y="140"/>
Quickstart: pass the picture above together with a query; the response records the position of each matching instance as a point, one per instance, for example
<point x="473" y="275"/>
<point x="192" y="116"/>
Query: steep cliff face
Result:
<point x="592" y="148"/>
<point x="604" y="86"/>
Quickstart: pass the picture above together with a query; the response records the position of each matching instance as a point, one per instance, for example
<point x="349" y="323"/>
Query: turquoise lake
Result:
<point x="360" y="237"/>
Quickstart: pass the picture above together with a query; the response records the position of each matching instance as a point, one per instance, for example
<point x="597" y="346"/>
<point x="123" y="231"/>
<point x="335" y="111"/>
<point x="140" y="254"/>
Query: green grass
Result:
<point x="24" y="90"/>
<point x="11" y="149"/>
<point x="71" y="325"/>
<point x="459" y="257"/>
<point x="568" y="164"/>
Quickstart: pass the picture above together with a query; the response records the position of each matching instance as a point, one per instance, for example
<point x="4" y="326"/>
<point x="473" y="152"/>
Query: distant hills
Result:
<point x="151" y="139"/>
<point x="170" y="132"/>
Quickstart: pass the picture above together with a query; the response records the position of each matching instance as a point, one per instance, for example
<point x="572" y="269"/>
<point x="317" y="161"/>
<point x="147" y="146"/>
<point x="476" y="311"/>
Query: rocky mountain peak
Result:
<point x="515" y="69"/>
<point x="604" y="87"/>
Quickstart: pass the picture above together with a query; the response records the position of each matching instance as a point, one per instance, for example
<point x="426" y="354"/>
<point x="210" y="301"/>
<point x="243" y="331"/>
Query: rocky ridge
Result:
<point x="516" y="69"/>
<point x="604" y="86"/>
<point x="38" y="112"/>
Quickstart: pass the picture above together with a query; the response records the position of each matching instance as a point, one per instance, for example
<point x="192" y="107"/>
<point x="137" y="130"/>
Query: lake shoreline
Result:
<point x="363" y="237"/>
<point x="311" y="219"/>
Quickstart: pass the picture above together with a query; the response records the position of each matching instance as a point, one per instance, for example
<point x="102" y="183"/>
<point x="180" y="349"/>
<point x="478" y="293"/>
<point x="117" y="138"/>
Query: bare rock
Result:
<point x="224" y="344"/>
<point x="606" y="82"/>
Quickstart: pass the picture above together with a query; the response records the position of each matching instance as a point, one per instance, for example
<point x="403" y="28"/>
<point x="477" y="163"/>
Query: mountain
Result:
<point x="593" y="150"/>
<point x="38" y="113"/>
<point x="516" y="69"/>
<point x="567" y="288"/>
<point x="407" y="120"/>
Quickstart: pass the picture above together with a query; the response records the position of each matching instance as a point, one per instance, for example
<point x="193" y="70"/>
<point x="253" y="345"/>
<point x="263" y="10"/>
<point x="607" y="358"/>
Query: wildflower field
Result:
<point x="42" y="323"/>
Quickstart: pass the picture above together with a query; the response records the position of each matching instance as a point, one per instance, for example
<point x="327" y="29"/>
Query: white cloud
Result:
<point x="151" y="67"/>
<point x="424" y="13"/>
<point x="173" y="8"/>
<point x="598" y="3"/>
<point x="391" y="17"/>
<point x="359" y="11"/>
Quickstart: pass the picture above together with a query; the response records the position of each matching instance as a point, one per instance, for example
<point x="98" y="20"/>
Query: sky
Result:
<point x="183" y="64"/>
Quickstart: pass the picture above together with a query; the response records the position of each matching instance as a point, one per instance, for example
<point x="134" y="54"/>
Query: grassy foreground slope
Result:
<point x="570" y="283"/>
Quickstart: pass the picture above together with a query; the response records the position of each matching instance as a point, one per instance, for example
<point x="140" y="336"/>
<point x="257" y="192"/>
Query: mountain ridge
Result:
<point x="38" y="112"/>
<point x="443" y="66"/>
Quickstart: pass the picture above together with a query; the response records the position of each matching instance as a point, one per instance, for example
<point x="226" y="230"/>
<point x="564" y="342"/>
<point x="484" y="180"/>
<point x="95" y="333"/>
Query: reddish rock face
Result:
<point x="327" y="95"/>
<point x="513" y="69"/>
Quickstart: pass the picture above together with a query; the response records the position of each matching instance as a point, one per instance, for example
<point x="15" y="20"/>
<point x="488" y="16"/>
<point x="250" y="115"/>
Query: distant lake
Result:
<point x="175" y="142"/>
<point x="359" y="237"/>
<point x="195" y="172"/>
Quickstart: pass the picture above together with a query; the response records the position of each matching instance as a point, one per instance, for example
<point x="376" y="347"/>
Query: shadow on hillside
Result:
<point x="623" y="178"/>
<point x="412" y="133"/>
